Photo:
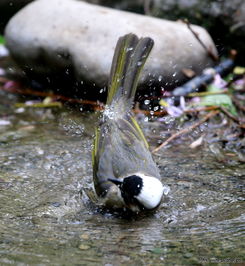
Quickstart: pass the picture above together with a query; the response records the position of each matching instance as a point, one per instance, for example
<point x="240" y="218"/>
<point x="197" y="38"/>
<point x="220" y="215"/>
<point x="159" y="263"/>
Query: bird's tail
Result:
<point x="129" y="58"/>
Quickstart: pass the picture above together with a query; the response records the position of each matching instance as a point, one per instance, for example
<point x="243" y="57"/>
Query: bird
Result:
<point x="124" y="173"/>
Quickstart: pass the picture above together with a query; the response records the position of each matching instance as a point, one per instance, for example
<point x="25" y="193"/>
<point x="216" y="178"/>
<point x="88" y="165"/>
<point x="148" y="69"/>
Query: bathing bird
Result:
<point x="124" y="173"/>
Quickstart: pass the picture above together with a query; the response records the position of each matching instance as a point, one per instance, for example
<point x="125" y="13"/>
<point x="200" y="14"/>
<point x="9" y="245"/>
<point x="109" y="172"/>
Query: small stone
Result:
<point x="56" y="204"/>
<point x="84" y="247"/>
<point x="188" y="255"/>
<point x="84" y="236"/>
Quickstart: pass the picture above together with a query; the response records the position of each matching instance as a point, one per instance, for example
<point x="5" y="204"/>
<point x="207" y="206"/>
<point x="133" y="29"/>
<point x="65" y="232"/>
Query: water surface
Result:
<point x="47" y="218"/>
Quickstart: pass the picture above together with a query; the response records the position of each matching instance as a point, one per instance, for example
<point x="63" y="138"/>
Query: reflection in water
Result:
<point x="46" y="218"/>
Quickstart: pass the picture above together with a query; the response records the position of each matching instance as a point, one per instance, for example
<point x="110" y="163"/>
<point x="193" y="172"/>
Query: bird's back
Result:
<point x="124" y="152"/>
<point x="120" y="148"/>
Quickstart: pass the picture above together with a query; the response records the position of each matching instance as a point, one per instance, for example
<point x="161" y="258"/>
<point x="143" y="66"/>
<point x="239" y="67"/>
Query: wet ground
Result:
<point x="47" y="218"/>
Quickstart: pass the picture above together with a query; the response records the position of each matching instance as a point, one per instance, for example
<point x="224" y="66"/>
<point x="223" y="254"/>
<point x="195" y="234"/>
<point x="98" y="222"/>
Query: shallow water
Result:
<point x="47" y="218"/>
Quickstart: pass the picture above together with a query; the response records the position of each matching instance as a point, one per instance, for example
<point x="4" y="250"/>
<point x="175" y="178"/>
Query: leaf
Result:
<point x="163" y="103"/>
<point x="218" y="100"/>
<point x="2" y="40"/>
<point x="157" y="250"/>
<point x="198" y="142"/>
<point x="239" y="70"/>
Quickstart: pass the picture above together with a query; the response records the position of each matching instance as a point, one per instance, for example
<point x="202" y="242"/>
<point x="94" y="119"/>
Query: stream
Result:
<point x="47" y="218"/>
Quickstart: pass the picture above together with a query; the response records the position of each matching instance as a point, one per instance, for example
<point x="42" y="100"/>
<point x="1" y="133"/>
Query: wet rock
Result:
<point x="225" y="20"/>
<point x="84" y="247"/>
<point x="60" y="35"/>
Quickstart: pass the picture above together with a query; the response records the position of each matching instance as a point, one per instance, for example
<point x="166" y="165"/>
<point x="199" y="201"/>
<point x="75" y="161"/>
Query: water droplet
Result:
<point x="146" y="102"/>
<point x="166" y="190"/>
<point x="160" y="78"/>
<point x="174" y="74"/>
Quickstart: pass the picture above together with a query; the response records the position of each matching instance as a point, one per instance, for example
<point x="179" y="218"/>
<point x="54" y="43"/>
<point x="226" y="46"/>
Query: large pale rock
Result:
<point x="48" y="36"/>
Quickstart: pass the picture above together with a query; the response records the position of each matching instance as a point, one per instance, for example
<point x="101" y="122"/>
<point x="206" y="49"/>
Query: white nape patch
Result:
<point x="151" y="192"/>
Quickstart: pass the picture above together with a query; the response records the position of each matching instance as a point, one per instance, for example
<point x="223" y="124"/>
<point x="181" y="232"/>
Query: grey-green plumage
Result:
<point x="120" y="148"/>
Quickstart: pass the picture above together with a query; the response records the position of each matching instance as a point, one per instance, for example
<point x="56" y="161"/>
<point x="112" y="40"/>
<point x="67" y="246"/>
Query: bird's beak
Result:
<point x="116" y="181"/>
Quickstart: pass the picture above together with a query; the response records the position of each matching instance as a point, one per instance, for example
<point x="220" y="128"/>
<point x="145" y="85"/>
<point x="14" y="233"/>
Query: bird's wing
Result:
<point x="130" y="150"/>
<point x="102" y="159"/>
<point x="139" y="131"/>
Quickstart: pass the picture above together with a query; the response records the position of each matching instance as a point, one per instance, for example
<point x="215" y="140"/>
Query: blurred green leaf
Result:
<point x="157" y="250"/>
<point x="239" y="70"/>
<point x="229" y="77"/>
<point x="218" y="100"/>
<point x="163" y="103"/>
<point x="2" y="40"/>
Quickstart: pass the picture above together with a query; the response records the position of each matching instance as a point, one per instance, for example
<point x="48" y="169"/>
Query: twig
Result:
<point x="225" y="111"/>
<point x="164" y="112"/>
<point x="208" y="50"/>
<point x="241" y="122"/>
<point x="153" y="113"/>
<point x="238" y="104"/>
<point x="186" y="130"/>
<point x="39" y="105"/>
<point x="96" y="105"/>
<point x="200" y="109"/>
<point x="204" y="79"/>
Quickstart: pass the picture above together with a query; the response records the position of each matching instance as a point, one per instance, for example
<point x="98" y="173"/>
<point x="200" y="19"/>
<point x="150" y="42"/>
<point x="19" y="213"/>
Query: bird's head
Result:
<point x="139" y="190"/>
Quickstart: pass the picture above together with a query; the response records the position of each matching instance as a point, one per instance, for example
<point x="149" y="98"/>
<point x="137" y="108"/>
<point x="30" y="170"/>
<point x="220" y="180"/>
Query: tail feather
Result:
<point x="137" y="62"/>
<point x="129" y="58"/>
<point x="124" y="49"/>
